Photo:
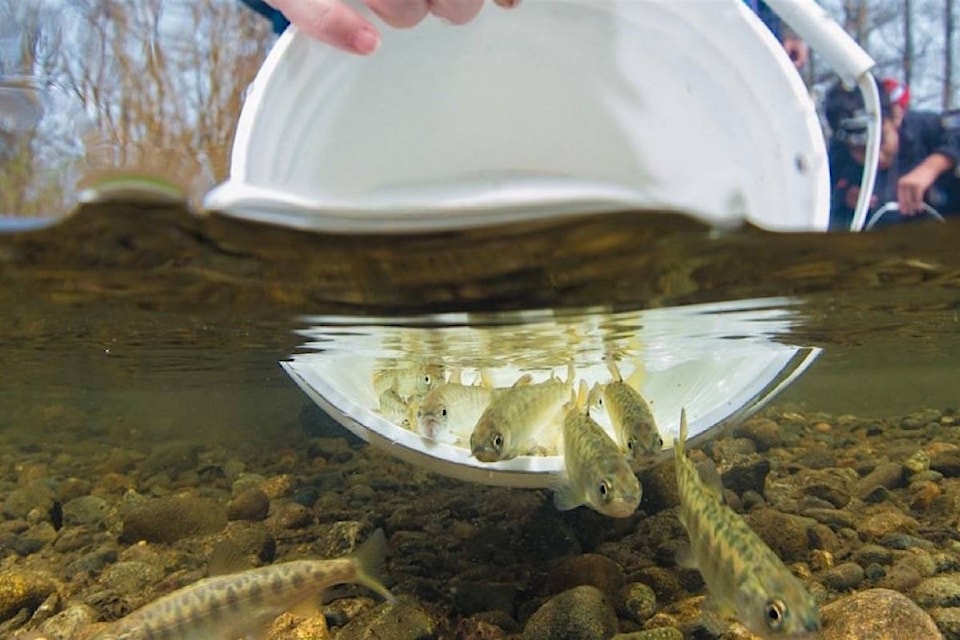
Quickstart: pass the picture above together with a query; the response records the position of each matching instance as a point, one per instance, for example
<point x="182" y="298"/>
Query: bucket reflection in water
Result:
<point x="720" y="361"/>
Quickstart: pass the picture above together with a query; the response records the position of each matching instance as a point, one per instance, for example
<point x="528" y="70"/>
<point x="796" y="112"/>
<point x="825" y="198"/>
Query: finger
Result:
<point x="507" y="4"/>
<point x="456" y="11"/>
<point x="331" y="21"/>
<point x="400" y="13"/>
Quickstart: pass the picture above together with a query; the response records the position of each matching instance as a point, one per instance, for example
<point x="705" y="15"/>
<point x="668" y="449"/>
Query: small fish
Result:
<point x="397" y="410"/>
<point x="450" y="411"/>
<point x="595" y="472"/>
<point x="407" y="381"/>
<point x="744" y="577"/>
<point x="510" y="425"/>
<point x="242" y="605"/>
<point x="631" y="417"/>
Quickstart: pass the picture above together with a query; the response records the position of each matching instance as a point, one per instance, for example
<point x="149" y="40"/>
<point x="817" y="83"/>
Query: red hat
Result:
<point x="899" y="93"/>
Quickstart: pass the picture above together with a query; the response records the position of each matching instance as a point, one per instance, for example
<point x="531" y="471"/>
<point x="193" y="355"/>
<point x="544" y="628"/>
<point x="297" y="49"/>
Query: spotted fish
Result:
<point x="631" y="417"/>
<point x="512" y="423"/>
<point x="595" y="472"/>
<point x="745" y="578"/>
<point x="242" y="605"/>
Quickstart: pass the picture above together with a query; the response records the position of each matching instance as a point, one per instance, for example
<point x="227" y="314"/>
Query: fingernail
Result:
<point x="366" y="41"/>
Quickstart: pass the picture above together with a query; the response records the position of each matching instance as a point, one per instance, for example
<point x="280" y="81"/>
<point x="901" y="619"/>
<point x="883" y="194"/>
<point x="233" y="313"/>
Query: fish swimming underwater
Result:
<point x="407" y="381"/>
<point x="242" y="605"/>
<point x="595" y="472"/>
<point x="511" y="424"/>
<point x="397" y="410"/>
<point x="744" y="577"/>
<point x="451" y="410"/>
<point x="631" y="417"/>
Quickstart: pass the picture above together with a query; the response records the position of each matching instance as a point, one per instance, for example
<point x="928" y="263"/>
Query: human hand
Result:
<point x="911" y="187"/>
<point x="336" y="23"/>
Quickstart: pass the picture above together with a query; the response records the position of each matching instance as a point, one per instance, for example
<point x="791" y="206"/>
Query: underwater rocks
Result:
<point x="851" y="506"/>
<point x="23" y="590"/>
<point x="171" y="518"/>
<point x="580" y="613"/>
<point x="878" y="614"/>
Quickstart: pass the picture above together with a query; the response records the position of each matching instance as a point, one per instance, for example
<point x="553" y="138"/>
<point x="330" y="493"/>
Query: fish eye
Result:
<point x="774" y="612"/>
<point x="632" y="444"/>
<point x="426" y="378"/>
<point x="498" y="441"/>
<point x="605" y="489"/>
<point x="443" y="412"/>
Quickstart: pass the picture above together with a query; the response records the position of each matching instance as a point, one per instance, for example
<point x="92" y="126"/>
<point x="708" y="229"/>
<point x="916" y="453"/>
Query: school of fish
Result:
<point x="528" y="418"/>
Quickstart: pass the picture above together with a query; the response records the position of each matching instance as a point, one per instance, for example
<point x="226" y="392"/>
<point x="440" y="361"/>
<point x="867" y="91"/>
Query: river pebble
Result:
<point x="581" y="613"/>
<point x="877" y="614"/>
<point x="171" y="518"/>
<point x="21" y="589"/>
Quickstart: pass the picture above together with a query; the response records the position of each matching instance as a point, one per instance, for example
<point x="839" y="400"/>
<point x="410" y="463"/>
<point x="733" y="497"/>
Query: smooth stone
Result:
<point x="637" y="602"/>
<point x="901" y="578"/>
<point x="291" y="627"/>
<point x="581" y="613"/>
<point x="172" y="518"/>
<point x="946" y="461"/>
<point x="69" y="622"/>
<point x="588" y="568"/>
<point x="888" y="475"/>
<point x="294" y="515"/>
<point x="20" y="589"/>
<point x="131" y="576"/>
<point x="747" y="477"/>
<point x="877" y="614"/>
<point x="403" y="620"/>
<point x="765" y="433"/>
<point x="872" y="553"/>
<point x="92" y="562"/>
<point x="22" y="500"/>
<point x="887" y="520"/>
<point x="938" y="591"/>
<point x="786" y="534"/>
<point x="948" y="620"/>
<point x="252" y="504"/>
<point x="85" y="510"/>
<point x="833" y="517"/>
<point x="842" y="577"/>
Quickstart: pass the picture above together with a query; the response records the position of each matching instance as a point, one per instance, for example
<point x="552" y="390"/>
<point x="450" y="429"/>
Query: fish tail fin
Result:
<point x="370" y="562"/>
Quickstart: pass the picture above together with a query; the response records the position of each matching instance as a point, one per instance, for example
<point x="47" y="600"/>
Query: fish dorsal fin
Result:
<point x="486" y="380"/>
<point x="571" y="372"/>
<point x="455" y="375"/>
<point x="582" y="398"/>
<point x="596" y="393"/>
<point x="613" y="368"/>
<point x="227" y="557"/>
<point x="524" y="380"/>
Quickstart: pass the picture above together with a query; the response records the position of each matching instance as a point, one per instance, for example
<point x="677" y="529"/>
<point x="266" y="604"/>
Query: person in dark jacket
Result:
<point x="917" y="162"/>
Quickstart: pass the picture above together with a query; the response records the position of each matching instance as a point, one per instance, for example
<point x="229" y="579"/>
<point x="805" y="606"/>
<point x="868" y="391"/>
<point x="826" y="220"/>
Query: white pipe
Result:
<point x="812" y="23"/>
<point x="871" y="103"/>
